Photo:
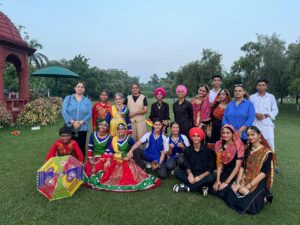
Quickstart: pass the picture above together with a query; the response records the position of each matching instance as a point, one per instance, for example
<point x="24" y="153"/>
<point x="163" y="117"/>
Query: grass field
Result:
<point x="21" y="203"/>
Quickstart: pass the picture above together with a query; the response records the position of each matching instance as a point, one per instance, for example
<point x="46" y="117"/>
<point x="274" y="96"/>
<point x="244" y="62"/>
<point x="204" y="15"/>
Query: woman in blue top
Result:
<point x="240" y="113"/>
<point x="77" y="112"/>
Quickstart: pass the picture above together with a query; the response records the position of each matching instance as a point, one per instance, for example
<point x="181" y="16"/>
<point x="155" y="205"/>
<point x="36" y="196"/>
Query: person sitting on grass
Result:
<point x="155" y="152"/>
<point x="177" y="144"/>
<point x="199" y="163"/>
<point x="251" y="191"/>
<point x="65" y="145"/>
<point x="99" y="155"/>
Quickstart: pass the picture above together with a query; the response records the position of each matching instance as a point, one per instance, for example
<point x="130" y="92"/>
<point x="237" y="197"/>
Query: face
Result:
<point x="180" y="94"/>
<point x="239" y="92"/>
<point x="159" y="96"/>
<point x="253" y="136"/>
<point x="226" y="134"/>
<point x="119" y="100"/>
<point x="202" y="92"/>
<point x="175" y="129"/>
<point x="196" y="139"/>
<point x="79" y="89"/>
<point x="135" y="90"/>
<point x="102" y="127"/>
<point x="65" y="138"/>
<point x="157" y="126"/>
<point x="121" y="131"/>
<point x="103" y="96"/>
<point x="223" y="96"/>
<point x="217" y="82"/>
<point x="261" y="87"/>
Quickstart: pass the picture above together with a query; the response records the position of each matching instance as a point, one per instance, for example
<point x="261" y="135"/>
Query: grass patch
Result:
<point x="21" y="203"/>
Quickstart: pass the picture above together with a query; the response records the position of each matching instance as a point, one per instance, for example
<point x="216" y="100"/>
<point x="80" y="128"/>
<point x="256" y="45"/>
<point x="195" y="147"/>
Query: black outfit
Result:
<point x="80" y="138"/>
<point x="145" y="101"/>
<point x="216" y="126"/>
<point x="198" y="162"/>
<point x="227" y="170"/>
<point x="160" y="111"/>
<point x="183" y="115"/>
<point x="139" y="157"/>
<point x="254" y="202"/>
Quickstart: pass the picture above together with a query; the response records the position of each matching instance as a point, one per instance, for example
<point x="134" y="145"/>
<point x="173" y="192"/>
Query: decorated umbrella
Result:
<point x="55" y="71"/>
<point x="60" y="177"/>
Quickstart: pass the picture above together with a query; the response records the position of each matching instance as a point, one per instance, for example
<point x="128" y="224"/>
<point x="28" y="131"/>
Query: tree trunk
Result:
<point x="281" y="100"/>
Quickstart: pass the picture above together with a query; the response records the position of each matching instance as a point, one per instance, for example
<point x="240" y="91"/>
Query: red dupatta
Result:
<point x="236" y="147"/>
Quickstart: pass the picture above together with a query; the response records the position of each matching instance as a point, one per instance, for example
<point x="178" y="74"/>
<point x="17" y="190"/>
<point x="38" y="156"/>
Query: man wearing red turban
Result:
<point x="199" y="163"/>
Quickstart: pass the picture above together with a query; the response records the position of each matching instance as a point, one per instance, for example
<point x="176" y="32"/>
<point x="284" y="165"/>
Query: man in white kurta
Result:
<point x="266" y="110"/>
<point x="216" y="81"/>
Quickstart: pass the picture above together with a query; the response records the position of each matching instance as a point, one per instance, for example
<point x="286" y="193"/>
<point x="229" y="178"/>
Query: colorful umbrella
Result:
<point x="60" y="177"/>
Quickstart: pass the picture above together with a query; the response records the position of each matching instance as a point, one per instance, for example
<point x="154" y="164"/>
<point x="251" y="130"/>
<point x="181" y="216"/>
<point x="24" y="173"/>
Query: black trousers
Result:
<point x="80" y="138"/>
<point x="205" y="182"/>
<point x="139" y="157"/>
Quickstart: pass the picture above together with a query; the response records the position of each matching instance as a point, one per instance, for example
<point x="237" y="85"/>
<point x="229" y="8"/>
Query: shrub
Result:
<point x="6" y="118"/>
<point x="40" y="111"/>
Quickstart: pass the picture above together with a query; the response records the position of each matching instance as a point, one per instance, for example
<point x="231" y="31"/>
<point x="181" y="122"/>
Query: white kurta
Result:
<point x="212" y="95"/>
<point x="265" y="105"/>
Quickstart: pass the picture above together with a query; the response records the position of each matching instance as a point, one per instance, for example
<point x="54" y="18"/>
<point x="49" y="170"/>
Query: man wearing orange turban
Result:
<point x="199" y="162"/>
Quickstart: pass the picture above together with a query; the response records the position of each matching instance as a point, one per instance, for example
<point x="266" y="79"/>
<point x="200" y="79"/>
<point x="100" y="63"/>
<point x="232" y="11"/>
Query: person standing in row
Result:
<point x="183" y="111"/>
<point x="216" y="83"/>
<point x="201" y="107"/>
<point x="138" y="107"/>
<point x="100" y="109"/>
<point x="160" y="109"/>
<point x="77" y="112"/>
<point x="240" y="113"/>
<point x="265" y="111"/>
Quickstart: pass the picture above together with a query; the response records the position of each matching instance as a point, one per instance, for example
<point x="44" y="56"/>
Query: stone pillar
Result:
<point x="2" y="97"/>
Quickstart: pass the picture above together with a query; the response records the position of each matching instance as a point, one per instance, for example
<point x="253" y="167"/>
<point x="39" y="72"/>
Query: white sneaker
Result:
<point x="205" y="191"/>
<point x="148" y="165"/>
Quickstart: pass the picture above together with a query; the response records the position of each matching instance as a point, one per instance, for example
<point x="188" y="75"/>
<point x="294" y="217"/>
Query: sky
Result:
<point x="146" y="37"/>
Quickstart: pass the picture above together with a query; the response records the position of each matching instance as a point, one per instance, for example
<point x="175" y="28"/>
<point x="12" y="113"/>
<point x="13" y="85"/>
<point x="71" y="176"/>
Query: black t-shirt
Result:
<point x="159" y="111"/>
<point x="199" y="162"/>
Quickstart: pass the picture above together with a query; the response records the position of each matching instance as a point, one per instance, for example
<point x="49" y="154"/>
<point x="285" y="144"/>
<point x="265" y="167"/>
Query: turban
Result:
<point x="196" y="130"/>
<point x="160" y="90"/>
<point x="181" y="88"/>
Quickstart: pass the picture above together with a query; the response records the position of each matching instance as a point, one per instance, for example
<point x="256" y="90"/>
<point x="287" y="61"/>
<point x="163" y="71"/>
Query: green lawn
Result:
<point x="21" y="203"/>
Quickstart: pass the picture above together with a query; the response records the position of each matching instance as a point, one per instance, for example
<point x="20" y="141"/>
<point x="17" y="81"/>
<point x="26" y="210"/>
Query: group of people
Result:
<point x="214" y="145"/>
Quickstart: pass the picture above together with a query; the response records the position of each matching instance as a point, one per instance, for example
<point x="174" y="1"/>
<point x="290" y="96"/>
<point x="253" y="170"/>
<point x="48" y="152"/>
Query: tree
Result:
<point x="37" y="59"/>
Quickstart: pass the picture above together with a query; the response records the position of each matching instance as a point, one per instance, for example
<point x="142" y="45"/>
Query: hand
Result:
<point x="260" y="116"/>
<point x="155" y="165"/>
<point x="171" y="146"/>
<point x="208" y="130"/>
<point x="244" y="191"/>
<point x="198" y="178"/>
<point x="235" y="187"/>
<point x="216" y="185"/>
<point x="76" y="125"/>
<point x="191" y="178"/>
<point x="222" y="186"/>
<point x="240" y="133"/>
<point x="129" y="155"/>
<point x="181" y="145"/>
<point x="126" y="158"/>
<point x="106" y="164"/>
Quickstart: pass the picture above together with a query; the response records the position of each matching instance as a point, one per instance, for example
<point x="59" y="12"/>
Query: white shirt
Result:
<point x="213" y="94"/>
<point x="146" y="137"/>
<point x="265" y="105"/>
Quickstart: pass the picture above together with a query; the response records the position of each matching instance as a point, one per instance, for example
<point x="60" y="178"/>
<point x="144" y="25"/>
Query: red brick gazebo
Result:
<point x="16" y="51"/>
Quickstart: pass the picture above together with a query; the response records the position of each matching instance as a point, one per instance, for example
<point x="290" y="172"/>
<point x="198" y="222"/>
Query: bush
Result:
<point x="41" y="111"/>
<point x="6" y="118"/>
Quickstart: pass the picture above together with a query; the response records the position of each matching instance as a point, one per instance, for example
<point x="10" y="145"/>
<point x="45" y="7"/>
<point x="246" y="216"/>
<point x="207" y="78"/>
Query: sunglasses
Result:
<point x="239" y="85"/>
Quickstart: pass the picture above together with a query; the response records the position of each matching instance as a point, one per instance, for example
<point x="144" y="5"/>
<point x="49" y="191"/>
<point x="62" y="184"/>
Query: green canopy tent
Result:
<point x="55" y="71"/>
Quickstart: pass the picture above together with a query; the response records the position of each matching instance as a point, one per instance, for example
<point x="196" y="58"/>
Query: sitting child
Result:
<point x="65" y="146"/>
